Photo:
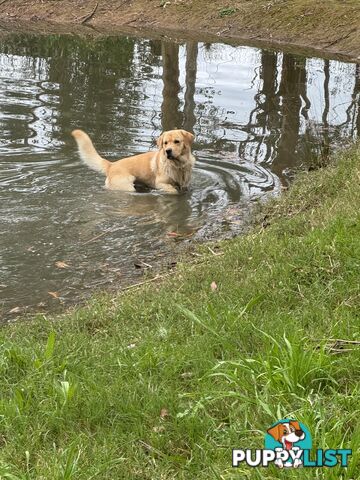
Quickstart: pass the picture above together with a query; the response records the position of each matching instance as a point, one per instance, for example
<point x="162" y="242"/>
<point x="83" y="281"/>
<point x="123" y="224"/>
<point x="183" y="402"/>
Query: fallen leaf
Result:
<point x="213" y="286"/>
<point x="15" y="310"/>
<point x="60" y="264"/>
<point x="179" y="236"/>
<point x="54" y="294"/>
<point x="164" y="413"/>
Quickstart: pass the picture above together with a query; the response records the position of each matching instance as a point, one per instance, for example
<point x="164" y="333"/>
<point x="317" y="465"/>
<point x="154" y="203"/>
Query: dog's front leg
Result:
<point x="166" y="187"/>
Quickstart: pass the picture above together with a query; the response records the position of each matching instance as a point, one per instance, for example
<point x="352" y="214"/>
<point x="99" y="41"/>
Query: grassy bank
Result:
<point x="163" y="382"/>
<point x="330" y="26"/>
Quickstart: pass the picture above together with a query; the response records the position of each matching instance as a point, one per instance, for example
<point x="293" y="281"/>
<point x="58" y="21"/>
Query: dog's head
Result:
<point x="287" y="433"/>
<point x="176" y="145"/>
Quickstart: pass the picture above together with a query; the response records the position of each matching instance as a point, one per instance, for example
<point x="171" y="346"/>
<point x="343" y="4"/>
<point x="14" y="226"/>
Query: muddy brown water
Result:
<point x="258" y="116"/>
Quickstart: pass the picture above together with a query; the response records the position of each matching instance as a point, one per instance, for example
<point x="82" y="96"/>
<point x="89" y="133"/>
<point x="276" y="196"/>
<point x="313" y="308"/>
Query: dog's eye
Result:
<point x="166" y="143"/>
<point x="177" y="141"/>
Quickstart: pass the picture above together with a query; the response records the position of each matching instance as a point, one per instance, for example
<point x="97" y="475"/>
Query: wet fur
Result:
<point x="154" y="169"/>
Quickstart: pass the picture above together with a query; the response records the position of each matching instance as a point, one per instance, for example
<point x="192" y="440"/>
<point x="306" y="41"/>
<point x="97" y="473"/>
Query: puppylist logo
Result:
<point x="288" y="444"/>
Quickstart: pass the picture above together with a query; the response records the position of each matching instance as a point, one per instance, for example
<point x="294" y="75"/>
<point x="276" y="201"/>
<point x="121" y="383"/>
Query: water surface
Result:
<point x="257" y="115"/>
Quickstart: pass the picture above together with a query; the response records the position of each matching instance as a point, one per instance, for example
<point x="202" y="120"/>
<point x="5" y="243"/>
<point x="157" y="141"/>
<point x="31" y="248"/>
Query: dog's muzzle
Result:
<point x="169" y="154"/>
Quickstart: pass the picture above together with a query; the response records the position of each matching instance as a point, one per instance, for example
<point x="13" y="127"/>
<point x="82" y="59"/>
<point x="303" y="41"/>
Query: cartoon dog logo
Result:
<point x="287" y="434"/>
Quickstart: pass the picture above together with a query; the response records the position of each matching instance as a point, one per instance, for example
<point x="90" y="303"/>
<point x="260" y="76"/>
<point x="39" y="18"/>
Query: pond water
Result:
<point x="258" y="115"/>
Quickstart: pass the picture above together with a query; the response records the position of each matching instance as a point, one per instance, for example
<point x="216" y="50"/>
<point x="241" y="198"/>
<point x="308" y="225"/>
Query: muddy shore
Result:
<point x="331" y="28"/>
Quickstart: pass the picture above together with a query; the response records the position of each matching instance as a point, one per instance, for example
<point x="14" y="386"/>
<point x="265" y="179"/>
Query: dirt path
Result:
<point x="332" y="26"/>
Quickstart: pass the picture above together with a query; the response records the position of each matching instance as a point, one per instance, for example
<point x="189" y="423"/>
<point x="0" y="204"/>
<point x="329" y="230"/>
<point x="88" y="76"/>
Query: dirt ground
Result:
<point x="331" y="26"/>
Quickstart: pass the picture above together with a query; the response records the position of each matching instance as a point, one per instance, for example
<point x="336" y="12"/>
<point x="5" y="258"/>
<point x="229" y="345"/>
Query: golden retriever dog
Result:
<point x="168" y="169"/>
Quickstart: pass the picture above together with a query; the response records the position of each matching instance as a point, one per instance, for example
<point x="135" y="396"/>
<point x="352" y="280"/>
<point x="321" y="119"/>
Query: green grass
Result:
<point x="227" y="11"/>
<point x="163" y="382"/>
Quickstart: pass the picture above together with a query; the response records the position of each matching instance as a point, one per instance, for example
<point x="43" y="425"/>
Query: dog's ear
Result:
<point x="189" y="137"/>
<point x="276" y="432"/>
<point x="159" y="141"/>
<point x="295" y="424"/>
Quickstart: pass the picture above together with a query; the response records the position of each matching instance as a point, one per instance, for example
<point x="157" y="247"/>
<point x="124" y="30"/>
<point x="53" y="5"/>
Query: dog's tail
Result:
<point x="87" y="152"/>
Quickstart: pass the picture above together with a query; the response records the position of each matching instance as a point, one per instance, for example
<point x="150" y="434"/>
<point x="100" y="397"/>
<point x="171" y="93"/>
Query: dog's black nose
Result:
<point x="168" y="151"/>
<point x="298" y="433"/>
